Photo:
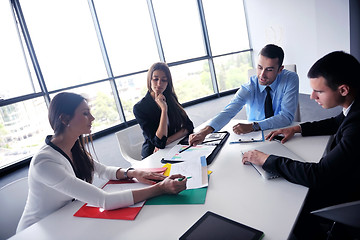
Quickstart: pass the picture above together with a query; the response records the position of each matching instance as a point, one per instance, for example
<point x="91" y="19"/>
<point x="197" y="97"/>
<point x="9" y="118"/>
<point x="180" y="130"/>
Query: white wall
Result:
<point x="305" y="29"/>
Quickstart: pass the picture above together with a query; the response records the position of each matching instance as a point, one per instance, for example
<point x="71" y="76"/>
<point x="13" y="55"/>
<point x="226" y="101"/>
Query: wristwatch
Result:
<point x="126" y="172"/>
<point x="256" y="126"/>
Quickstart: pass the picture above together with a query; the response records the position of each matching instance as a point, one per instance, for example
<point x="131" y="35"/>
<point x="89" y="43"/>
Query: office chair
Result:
<point x="130" y="142"/>
<point x="12" y="202"/>
<point x="290" y="67"/>
<point x="347" y="214"/>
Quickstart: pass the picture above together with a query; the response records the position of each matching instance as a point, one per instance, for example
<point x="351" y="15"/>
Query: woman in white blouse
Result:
<point x="63" y="169"/>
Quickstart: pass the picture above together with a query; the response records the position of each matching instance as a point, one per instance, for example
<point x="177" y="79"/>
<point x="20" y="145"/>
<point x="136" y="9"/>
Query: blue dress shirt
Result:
<point x="284" y="94"/>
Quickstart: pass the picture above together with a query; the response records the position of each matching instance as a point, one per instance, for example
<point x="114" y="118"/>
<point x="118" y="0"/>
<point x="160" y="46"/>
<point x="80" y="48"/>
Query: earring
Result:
<point x="68" y="125"/>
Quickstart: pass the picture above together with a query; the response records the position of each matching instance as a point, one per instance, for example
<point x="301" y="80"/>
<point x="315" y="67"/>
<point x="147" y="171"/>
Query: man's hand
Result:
<point x="256" y="157"/>
<point x="198" y="138"/>
<point x="286" y="132"/>
<point x="243" y="128"/>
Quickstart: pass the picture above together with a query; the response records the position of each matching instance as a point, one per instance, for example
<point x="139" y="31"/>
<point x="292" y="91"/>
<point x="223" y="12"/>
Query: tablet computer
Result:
<point x="216" y="138"/>
<point x="212" y="226"/>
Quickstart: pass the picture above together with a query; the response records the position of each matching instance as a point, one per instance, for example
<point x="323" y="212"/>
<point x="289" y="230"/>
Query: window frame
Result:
<point x="111" y="78"/>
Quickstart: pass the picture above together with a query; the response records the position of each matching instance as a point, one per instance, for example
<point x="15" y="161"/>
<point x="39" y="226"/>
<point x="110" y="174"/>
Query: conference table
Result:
<point x="236" y="191"/>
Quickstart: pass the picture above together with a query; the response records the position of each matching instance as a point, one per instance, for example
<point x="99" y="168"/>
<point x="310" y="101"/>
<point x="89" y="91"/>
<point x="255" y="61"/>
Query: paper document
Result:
<point x="214" y="138"/>
<point x="196" y="169"/>
<point x="194" y="152"/>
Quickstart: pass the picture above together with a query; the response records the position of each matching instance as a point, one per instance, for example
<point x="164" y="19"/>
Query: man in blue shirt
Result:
<point x="284" y="92"/>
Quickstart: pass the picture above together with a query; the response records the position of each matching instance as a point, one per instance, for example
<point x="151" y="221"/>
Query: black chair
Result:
<point x="346" y="220"/>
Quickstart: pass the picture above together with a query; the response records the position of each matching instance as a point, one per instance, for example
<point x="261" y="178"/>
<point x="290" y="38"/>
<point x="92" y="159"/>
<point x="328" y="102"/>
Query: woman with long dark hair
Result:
<point x="63" y="169"/>
<point x="159" y="114"/>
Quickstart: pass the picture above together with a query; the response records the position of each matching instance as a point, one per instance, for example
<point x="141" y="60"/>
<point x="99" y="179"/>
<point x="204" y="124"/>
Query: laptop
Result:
<point x="275" y="148"/>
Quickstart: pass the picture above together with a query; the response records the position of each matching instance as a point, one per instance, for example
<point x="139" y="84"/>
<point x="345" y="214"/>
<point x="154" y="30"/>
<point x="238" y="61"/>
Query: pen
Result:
<point x="180" y="179"/>
<point x="185" y="149"/>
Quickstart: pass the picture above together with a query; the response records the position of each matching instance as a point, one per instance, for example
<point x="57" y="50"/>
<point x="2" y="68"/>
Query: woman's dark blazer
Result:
<point x="147" y="114"/>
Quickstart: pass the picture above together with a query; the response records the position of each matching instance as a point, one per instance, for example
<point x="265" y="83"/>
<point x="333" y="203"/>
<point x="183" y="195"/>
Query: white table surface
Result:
<point x="235" y="191"/>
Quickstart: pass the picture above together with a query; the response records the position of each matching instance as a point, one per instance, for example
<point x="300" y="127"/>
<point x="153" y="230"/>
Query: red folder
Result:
<point x="127" y="213"/>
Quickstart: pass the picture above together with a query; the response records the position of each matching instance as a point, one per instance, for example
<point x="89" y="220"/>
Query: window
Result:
<point x="192" y="80"/>
<point x="131" y="90"/>
<point x="65" y="42"/>
<point x="15" y="77"/>
<point x="23" y="127"/>
<point x="203" y="42"/>
<point x="232" y="70"/>
<point x="226" y="25"/>
<point x="180" y="29"/>
<point x="128" y="35"/>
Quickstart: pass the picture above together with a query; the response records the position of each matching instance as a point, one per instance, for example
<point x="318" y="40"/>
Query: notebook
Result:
<point x="275" y="148"/>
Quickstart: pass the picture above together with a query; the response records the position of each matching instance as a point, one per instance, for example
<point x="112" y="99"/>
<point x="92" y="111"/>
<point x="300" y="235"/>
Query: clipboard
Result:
<point x="214" y="139"/>
<point x="251" y="137"/>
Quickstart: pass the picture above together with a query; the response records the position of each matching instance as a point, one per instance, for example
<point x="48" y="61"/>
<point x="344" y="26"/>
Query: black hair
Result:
<point x="272" y="51"/>
<point x="177" y="114"/>
<point x="337" y="68"/>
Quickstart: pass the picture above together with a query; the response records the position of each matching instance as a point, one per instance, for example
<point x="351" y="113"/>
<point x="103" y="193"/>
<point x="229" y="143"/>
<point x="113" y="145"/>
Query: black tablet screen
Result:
<point x="213" y="226"/>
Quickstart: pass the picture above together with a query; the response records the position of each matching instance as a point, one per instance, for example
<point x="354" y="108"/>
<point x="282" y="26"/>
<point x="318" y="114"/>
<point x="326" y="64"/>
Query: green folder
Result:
<point x="188" y="196"/>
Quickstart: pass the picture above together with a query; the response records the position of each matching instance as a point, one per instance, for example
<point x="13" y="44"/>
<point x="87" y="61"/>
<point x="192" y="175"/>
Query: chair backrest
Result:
<point x="12" y="202"/>
<point x="345" y="213"/>
<point x="290" y="67"/>
<point x="130" y="141"/>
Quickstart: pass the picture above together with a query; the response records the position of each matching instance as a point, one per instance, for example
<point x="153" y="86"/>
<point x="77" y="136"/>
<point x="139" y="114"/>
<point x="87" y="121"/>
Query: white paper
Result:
<point x="194" y="152"/>
<point x="213" y="138"/>
<point x="196" y="169"/>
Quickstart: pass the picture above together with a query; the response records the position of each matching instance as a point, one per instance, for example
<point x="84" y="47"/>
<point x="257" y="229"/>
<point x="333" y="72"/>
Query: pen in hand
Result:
<point x="180" y="179"/>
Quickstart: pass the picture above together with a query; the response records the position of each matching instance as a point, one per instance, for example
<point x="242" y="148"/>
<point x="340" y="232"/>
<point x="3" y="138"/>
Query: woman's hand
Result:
<point x="148" y="177"/>
<point x="254" y="156"/>
<point x="169" y="185"/>
<point x="172" y="185"/>
<point x="156" y="149"/>
<point x="160" y="99"/>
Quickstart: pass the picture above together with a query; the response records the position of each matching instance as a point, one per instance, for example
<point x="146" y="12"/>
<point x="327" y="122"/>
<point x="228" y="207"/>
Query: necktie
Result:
<point x="269" y="112"/>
